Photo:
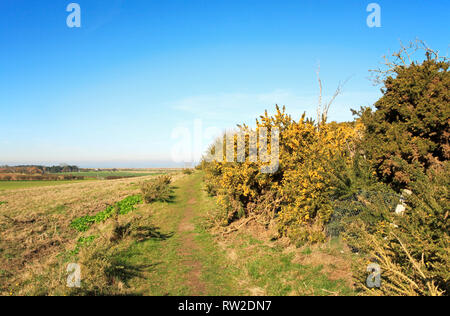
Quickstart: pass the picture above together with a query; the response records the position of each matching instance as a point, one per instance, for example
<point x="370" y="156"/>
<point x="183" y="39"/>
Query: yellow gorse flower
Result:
<point x="306" y="150"/>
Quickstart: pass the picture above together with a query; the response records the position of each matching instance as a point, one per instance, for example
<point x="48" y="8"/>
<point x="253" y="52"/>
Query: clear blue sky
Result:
<point x="112" y="92"/>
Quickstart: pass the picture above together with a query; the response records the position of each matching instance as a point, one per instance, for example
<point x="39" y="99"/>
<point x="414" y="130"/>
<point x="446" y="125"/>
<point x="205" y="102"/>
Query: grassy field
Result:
<point x="13" y="185"/>
<point x="164" y="248"/>
<point x="35" y="224"/>
<point x="104" y="174"/>
<point x="89" y="175"/>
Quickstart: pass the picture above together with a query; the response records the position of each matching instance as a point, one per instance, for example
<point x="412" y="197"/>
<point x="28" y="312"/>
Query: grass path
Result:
<point x="189" y="247"/>
<point x="188" y="260"/>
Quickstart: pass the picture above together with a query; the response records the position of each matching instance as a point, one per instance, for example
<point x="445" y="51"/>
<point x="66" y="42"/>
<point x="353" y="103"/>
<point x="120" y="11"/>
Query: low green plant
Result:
<point x="123" y="207"/>
<point x="128" y="204"/>
<point x="187" y="171"/>
<point x="83" y="242"/>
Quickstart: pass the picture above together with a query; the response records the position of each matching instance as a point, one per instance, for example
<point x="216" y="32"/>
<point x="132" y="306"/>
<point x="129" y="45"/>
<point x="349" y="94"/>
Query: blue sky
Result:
<point x="138" y="73"/>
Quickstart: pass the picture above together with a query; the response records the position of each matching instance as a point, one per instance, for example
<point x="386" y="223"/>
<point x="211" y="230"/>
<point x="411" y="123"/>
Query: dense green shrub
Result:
<point x="411" y="125"/>
<point x="354" y="188"/>
<point x="405" y="145"/>
<point x="412" y="249"/>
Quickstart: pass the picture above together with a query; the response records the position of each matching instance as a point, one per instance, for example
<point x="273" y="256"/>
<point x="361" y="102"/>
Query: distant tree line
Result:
<point x="59" y="169"/>
<point x="37" y="169"/>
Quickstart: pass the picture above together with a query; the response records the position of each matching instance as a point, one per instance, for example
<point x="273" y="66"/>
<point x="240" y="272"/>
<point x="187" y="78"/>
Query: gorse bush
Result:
<point x="156" y="189"/>
<point x="296" y="194"/>
<point x="406" y="144"/>
<point x="308" y="151"/>
<point x="353" y="190"/>
<point x="187" y="171"/>
<point x="346" y="179"/>
<point x="410" y="127"/>
<point x="166" y="179"/>
<point x="412" y="249"/>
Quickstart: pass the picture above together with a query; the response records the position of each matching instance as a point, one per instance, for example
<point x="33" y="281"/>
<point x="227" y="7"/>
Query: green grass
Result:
<point x="13" y="185"/>
<point x="256" y="264"/>
<point x="275" y="272"/>
<point x="165" y="274"/>
<point x="219" y="274"/>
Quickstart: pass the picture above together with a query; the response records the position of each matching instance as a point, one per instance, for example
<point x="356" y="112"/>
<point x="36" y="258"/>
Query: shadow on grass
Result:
<point x="170" y="200"/>
<point x="120" y="270"/>
<point x="143" y="233"/>
<point x="172" y="197"/>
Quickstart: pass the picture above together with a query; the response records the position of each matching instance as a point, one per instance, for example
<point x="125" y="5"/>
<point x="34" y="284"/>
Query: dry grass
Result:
<point x="335" y="264"/>
<point x="35" y="224"/>
<point x="332" y="259"/>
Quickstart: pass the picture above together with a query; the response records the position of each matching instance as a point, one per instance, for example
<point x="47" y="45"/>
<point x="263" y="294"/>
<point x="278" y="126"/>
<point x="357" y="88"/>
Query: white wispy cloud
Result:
<point x="245" y="107"/>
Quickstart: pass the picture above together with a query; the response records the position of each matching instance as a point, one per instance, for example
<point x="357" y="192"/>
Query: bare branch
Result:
<point x="402" y="58"/>
<point x="319" y="106"/>
<point x="335" y="95"/>
<point x="323" y="108"/>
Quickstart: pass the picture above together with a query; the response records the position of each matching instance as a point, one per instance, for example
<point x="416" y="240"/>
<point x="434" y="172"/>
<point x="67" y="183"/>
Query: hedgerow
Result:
<point x="406" y="145"/>
<point x="347" y="179"/>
